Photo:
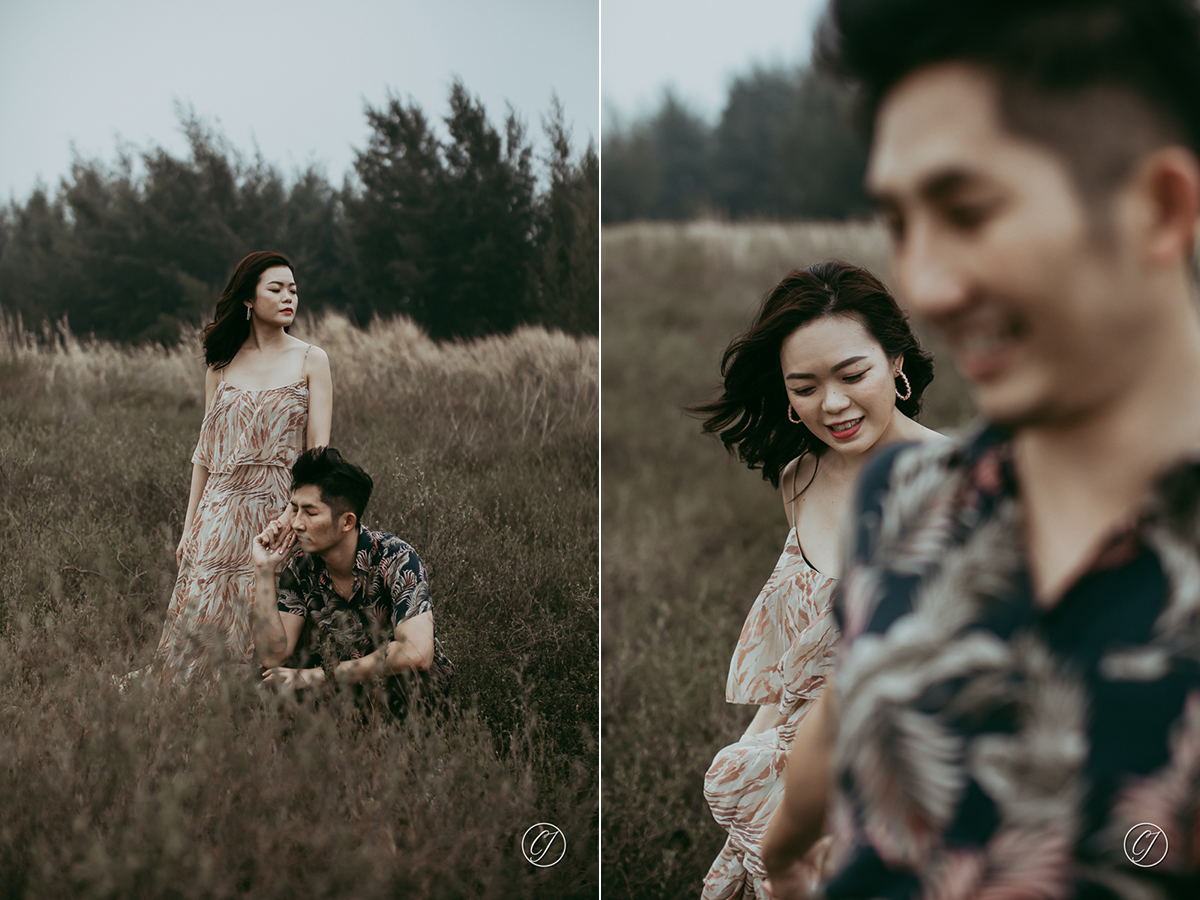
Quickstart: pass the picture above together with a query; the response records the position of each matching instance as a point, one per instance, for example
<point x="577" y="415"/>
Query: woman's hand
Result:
<point x="179" y="549"/>
<point x="281" y="531"/>
<point x="271" y="547"/>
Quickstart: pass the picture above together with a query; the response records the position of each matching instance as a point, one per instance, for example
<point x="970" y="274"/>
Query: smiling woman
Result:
<point x="828" y="364"/>
<point x="268" y="396"/>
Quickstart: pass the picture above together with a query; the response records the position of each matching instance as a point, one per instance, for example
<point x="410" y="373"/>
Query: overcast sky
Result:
<point x="292" y="75"/>
<point x="697" y="47"/>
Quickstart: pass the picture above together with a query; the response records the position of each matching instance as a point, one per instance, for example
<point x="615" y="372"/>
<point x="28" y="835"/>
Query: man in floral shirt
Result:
<point x="362" y="596"/>
<point x="1015" y="711"/>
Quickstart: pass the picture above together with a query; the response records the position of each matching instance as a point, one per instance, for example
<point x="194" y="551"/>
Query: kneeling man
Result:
<point x="361" y="595"/>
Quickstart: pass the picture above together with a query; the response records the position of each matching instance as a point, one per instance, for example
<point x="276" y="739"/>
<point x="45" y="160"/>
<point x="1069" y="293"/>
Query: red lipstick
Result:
<point x="847" y="432"/>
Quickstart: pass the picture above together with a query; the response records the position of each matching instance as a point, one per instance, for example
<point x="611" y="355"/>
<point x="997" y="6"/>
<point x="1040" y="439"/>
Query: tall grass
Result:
<point x="690" y="535"/>
<point x="484" y="458"/>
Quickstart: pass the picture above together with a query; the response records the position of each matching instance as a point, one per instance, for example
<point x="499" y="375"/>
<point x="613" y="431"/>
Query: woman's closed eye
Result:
<point x="857" y="376"/>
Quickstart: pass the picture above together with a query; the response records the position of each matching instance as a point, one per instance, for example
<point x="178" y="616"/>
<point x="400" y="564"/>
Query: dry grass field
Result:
<point x="484" y="458"/>
<point x="689" y="535"/>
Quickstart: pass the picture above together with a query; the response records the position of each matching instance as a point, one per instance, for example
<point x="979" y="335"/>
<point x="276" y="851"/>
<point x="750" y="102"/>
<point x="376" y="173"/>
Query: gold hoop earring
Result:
<point x="792" y="417"/>
<point x="907" y="387"/>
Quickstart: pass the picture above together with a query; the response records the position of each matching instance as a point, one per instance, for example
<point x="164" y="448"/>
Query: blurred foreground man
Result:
<point x="360" y="597"/>
<point x="1016" y="710"/>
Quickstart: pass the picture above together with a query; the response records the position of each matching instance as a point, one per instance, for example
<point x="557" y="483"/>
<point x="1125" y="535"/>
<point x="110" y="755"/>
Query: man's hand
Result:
<point x="364" y="668"/>
<point x="794" y="884"/>
<point x="296" y="679"/>
<point x="282" y="527"/>
<point x="272" y="546"/>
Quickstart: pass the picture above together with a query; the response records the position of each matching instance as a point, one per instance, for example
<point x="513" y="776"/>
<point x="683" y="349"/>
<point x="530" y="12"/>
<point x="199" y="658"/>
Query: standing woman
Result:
<point x="268" y="397"/>
<point x="828" y="374"/>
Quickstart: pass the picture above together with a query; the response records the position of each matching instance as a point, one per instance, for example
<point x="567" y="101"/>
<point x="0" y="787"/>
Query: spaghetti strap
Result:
<point x="304" y="366"/>
<point x="795" y="470"/>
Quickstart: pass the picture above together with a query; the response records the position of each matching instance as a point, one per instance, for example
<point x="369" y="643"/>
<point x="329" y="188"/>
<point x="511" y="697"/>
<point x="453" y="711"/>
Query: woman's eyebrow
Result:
<point x="845" y="362"/>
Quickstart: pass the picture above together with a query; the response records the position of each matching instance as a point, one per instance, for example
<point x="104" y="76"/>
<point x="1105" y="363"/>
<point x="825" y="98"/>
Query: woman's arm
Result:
<point x="199" y="480"/>
<point x="320" y="399"/>
<point x="766" y="718"/>
<point x="199" y="473"/>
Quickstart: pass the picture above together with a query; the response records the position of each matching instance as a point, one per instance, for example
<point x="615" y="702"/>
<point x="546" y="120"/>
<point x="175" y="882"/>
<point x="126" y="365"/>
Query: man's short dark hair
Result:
<point x="1101" y="82"/>
<point x="344" y="486"/>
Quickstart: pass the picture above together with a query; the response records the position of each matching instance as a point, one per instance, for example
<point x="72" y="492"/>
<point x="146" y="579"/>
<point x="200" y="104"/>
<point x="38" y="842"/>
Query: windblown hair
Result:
<point x="1101" y="82"/>
<point x="224" y="336"/>
<point x="344" y="486"/>
<point x="751" y="414"/>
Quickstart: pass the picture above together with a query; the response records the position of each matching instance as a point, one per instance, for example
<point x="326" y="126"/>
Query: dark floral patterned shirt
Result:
<point x="390" y="586"/>
<point x="987" y="747"/>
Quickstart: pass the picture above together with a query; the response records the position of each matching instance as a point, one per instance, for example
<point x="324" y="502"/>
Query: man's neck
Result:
<point x="1138" y="431"/>
<point x="1081" y="477"/>
<point x="339" y="559"/>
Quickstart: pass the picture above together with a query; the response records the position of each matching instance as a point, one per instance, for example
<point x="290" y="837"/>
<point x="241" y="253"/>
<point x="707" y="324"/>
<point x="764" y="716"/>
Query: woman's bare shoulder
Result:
<point x="793" y="478"/>
<point x="313" y="351"/>
<point x="913" y="430"/>
<point x="928" y="434"/>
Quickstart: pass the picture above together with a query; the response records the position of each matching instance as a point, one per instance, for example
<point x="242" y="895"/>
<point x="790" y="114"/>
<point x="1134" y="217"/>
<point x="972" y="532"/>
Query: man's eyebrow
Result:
<point x="937" y="187"/>
<point x="845" y="362"/>
<point x="946" y="184"/>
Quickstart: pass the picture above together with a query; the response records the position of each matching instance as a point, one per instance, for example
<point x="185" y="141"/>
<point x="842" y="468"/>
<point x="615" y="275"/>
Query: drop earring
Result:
<point x="247" y="313"/>
<point x="907" y="387"/>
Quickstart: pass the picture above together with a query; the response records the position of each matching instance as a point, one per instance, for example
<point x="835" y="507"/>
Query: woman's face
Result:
<point x="840" y="382"/>
<point x="275" y="298"/>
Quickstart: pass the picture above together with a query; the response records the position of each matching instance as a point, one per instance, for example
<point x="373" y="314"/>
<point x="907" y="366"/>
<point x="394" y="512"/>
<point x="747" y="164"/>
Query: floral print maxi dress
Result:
<point x="782" y="658"/>
<point x="248" y="442"/>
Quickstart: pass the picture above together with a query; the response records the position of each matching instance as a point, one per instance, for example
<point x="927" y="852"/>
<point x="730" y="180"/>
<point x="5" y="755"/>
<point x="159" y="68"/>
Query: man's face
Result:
<point x="316" y="528"/>
<point x="994" y="247"/>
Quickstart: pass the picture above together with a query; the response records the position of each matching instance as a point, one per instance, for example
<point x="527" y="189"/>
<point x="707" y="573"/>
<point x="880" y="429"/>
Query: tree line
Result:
<point x="786" y="146"/>
<point x="468" y="234"/>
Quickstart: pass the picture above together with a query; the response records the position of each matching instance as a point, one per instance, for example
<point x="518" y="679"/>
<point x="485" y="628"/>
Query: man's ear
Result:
<point x="1170" y="181"/>
<point x="347" y="521"/>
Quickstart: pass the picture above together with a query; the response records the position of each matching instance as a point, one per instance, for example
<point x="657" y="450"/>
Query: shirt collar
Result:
<point x="987" y="457"/>
<point x="1174" y="498"/>
<point x="363" y="552"/>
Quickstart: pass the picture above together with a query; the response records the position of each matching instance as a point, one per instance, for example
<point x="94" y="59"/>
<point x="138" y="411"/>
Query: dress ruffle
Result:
<point x="782" y="658"/>
<point x="253" y="428"/>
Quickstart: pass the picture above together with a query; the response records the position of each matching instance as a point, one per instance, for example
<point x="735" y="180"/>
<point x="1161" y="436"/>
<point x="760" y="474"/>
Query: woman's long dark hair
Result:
<point x="224" y="336"/>
<point x="751" y="414"/>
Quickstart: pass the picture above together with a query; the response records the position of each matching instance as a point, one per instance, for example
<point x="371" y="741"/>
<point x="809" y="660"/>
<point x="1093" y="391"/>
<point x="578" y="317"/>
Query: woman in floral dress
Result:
<point x="268" y="396"/>
<point x="828" y="373"/>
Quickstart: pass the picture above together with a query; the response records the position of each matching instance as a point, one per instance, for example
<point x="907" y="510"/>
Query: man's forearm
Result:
<point x="800" y="817"/>
<point x="270" y="640"/>
<point x="398" y="656"/>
